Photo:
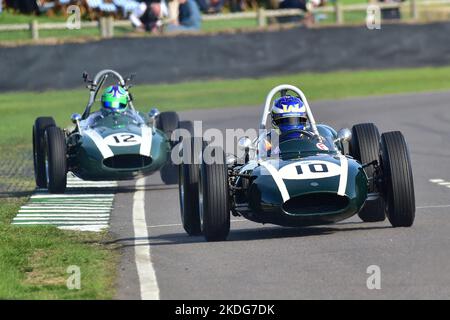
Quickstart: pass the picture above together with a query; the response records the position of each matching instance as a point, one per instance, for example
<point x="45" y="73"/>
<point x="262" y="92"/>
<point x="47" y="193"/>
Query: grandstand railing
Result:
<point x="106" y="25"/>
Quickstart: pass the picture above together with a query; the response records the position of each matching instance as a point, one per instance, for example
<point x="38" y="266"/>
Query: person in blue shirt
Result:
<point x="189" y="17"/>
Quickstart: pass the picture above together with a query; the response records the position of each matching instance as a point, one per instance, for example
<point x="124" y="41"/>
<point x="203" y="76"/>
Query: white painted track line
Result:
<point x="146" y="273"/>
<point x="436" y="180"/>
<point x="435" y="206"/>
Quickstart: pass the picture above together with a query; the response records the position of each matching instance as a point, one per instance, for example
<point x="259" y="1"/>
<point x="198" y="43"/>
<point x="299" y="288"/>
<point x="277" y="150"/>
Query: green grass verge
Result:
<point x="34" y="260"/>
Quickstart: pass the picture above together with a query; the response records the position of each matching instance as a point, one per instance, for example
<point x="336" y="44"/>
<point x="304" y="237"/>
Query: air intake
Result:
<point x="127" y="161"/>
<point x="315" y="203"/>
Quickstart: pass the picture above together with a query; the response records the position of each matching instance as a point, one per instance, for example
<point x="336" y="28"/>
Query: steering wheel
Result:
<point x="300" y="131"/>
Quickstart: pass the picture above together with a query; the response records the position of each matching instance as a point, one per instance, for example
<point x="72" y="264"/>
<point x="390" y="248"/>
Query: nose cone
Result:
<point x="285" y="200"/>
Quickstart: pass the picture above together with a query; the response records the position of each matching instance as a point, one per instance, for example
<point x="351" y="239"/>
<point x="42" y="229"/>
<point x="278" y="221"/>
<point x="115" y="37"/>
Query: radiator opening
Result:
<point x="315" y="203"/>
<point x="127" y="161"/>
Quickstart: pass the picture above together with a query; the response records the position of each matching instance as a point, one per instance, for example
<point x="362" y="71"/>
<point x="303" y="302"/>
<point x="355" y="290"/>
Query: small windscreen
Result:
<point x="291" y="121"/>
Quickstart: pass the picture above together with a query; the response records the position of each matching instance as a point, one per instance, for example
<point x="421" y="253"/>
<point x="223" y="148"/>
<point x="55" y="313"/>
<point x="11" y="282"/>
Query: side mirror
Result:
<point x="244" y="143"/>
<point x="76" y="117"/>
<point x="154" y="112"/>
<point x="344" y="135"/>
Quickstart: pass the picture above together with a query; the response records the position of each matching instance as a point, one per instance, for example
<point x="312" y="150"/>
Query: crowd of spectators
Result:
<point x="121" y="8"/>
<point x="170" y="15"/>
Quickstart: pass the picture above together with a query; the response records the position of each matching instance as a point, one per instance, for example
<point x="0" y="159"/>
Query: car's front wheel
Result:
<point x="56" y="160"/>
<point x="188" y="187"/>
<point x="398" y="182"/>
<point x="214" y="204"/>
<point x="39" y="127"/>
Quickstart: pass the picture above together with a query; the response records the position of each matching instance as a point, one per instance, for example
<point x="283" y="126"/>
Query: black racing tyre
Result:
<point x="39" y="127"/>
<point x="365" y="147"/>
<point x="188" y="187"/>
<point x="167" y="122"/>
<point x="398" y="184"/>
<point x="214" y="206"/>
<point x="169" y="173"/>
<point x="187" y="125"/>
<point x="55" y="153"/>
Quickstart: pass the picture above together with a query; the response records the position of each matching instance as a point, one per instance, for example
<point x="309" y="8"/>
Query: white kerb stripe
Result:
<point x="93" y="228"/>
<point x="344" y="176"/>
<point x="104" y="149"/>
<point x="147" y="277"/>
<point x="278" y="180"/>
<point x="146" y="144"/>
<point x="103" y="196"/>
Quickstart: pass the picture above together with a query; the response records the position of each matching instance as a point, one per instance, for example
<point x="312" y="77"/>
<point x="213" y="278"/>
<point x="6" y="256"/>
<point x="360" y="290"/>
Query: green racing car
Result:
<point x="307" y="179"/>
<point x="117" y="142"/>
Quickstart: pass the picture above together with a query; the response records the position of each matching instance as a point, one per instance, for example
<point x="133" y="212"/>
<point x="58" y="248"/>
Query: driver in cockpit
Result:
<point x="288" y="119"/>
<point x="114" y="101"/>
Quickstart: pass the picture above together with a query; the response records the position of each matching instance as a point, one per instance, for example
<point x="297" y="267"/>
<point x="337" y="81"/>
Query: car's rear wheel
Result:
<point x="188" y="187"/>
<point x="398" y="184"/>
<point x="56" y="160"/>
<point x="39" y="127"/>
<point x="365" y="147"/>
<point x="214" y="204"/>
<point x="169" y="173"/>
<point x="168" y="122"/>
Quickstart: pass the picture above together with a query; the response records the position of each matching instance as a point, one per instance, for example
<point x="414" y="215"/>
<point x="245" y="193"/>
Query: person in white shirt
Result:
<point x="147" y="16"/>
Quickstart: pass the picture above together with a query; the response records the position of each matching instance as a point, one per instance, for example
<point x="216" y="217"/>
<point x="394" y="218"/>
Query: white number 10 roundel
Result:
<point x="304" y="170"/>
<point x="123" y="139"/>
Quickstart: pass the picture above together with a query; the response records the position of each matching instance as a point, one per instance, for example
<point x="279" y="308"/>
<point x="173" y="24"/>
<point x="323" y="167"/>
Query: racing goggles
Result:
<point x="116" y="106"/>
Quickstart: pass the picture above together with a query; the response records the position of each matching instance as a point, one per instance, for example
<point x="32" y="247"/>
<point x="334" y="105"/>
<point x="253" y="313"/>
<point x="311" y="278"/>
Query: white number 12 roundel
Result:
<point x="304" y="170"/>
<point x="123" y="139"/>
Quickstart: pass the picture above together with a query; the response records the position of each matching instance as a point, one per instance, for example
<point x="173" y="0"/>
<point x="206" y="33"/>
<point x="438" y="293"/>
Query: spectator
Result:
<point x="1" y="6"/>
<point x="23" y="6"/>
<point x="390" y="14"/>
<point x="305" y="5"/>
<point x="210" y="6"/>
<point x="189" y="17"/>
<point x="147" y="16"/>
<point x="237" y="5"/>
<point x="293" y="4"/>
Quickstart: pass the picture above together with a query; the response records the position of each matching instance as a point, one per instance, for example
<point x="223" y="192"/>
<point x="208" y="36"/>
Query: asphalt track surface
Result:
<point x="324" y="262"/>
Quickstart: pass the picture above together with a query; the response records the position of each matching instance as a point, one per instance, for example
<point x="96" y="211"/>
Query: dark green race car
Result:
<point x="109" y="144"/>
<point x="309" y="180"/>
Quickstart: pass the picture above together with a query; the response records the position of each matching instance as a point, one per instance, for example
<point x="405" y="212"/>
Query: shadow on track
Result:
<point x="250" y="234"/>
